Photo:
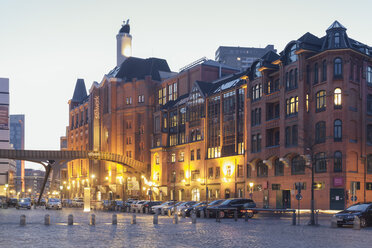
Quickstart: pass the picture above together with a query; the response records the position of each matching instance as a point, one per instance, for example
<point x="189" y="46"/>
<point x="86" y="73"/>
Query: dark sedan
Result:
<point x="203" y="207"/>
<point x="229" y="206"/>
<point x="362" y="210"/>
<point x="188" y="209"/>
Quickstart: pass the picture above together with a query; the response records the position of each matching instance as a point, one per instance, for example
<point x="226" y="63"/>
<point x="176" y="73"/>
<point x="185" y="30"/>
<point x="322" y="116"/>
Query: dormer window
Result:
<point x="257" y="73"/>
<point x="292" y="56"/>
<point x="337" y="40"/>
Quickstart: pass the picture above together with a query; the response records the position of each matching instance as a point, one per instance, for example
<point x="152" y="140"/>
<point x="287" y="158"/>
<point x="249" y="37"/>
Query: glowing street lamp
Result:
<point x="251" y="189"/>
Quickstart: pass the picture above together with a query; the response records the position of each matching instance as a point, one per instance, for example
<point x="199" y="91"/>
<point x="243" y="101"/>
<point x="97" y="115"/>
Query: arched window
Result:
<point x="320" y="132"/>
<point x="262" y="169"/>
<point x="298" y="165"/>
<point x="337" y="70"/>
<point x="337" y="98"/>
<point x="337" y="166"/>
<point x="324" y="70"/>
<point x="292" y="56"/>
<point x="257" y="72"/>
<point x="316" y="73"/>
<point x="279" y="167"/>
<point x="337" y="40"/>
<point x="320" y="162"/>
<point x="337" y="127"/>
<point x="369" y="164"/>
<point x="320" y="100"/>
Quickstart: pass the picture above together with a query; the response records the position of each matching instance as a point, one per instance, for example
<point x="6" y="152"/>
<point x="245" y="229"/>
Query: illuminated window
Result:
<point x="292" y="106"/>
<point x="337" y="98"/>
<point x="307" y="102"/>
<point x="175" y="95"/>
<point x="173" y="158"/>
<point x="181" y="157"/>
<point x="321" y="100"/>
<point x="157" y="159"/>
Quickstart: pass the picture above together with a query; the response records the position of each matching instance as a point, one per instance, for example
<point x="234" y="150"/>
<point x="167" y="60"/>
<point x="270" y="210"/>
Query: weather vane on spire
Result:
<point x="126" y="23"/>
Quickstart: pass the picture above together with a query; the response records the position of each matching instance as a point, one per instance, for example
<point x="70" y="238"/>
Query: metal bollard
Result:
<point x="93" y="220"/>
<point x="47" y="220"/>
<point x="333" y="222"/>
<point x="114" y="219"/>
<point x="155" y="221"/>
<point x="206" y="213"/>
<point x="183" y="214"/>
<point x="193" y="218"/>
<point x="201" y="214"/>
<point x="162" y="212"/>
<point x="218" y="216"/>
<point x="236" y="215"/>
<point x="128" y="209"/>
<point x="356" y="224"/>
<point x="70" y="220"/>
<point x="23" y="220"/>
<point x="169" y="213"/>
<point x="146" y="210"/>
<point x="246" y="217"/>
<point x="316" y="217"/>
<point x="133" y="221"/>
<point x="294" y="218"/>
<point x="175" y="219"/>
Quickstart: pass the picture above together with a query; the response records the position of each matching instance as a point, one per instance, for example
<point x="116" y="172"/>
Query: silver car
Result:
<point x="54" y="203"/>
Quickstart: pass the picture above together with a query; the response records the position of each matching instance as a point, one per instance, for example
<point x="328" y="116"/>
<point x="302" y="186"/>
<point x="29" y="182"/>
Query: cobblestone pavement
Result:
<point x="258" y="232"/>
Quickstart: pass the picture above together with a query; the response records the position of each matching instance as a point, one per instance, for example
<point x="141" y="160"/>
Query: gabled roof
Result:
<point x="80" y="92"/>
<point x="204" y="87"/>
<point x="139" y="68"/>
<point x="227" y="83"/>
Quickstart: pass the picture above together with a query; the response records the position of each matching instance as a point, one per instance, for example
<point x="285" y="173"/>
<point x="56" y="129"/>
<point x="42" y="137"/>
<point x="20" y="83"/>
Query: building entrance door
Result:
<point x="279" y="199"/>
<point x="286" y="199"/>
<point x="337" y="199"/>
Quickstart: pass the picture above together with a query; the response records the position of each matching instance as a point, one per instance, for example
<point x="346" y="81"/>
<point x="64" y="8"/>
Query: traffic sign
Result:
<point x="299" y="197"/>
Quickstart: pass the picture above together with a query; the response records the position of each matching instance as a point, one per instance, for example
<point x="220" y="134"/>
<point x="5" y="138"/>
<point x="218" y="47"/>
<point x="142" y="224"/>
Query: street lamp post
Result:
<point x="310" y="165"/>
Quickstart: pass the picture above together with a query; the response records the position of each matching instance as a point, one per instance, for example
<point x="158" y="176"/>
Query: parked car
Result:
<point x="229" y="206"/>
<point x="362" y="210"/>
<point x="137" y="206"/>
<point x="24" y="203"/>
<point x="187" y="210"/>
<point x="183" y="205"/>
<point x="127" y="203"/>
<point x="157" y="208"/>
<point x="118" y="205"/>
<point x="150" y="204"/>
<point x="66" y="203"/>
<point x="12" y="202"/>
<point x="170" y="207"/>
<point x="203" y="207"/>
<point x="77" y="202"/>
<point x="54" y="203"/>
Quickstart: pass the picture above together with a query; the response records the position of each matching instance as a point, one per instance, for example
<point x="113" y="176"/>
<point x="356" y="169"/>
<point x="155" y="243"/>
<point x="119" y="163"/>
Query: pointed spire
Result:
<point x="80" y="92"/>
<point x="335" y="25"/>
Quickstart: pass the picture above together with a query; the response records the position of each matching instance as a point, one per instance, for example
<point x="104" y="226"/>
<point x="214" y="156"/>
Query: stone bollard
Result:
<point x="356" y="224"/>
<point x="23" y="220"/>
<point x="218" y="216"/>
<point x="294" y="218"/>
<point x="128" y="209"/>
<point x="169" y="213"/>
<point x="201" y="214"/>
<point x="146" y="210"/>
<point x="207" y="214"/>
<point x="246" y="217"/>
<point x="47" y="220"/>
<point x="193" y="218"/>
<point x="156" y="219"/>
<point x="162" y="212"/>
<point x="114" y="219"/>
<point x="333" y="222"/>
<point x="133" y="221"/>
<point x="183" y="214"/>
<point x="236" y="215"/>
<point x="70" y="220"/>
<point x="93" y="220"/>
<point x="175" y="219"/>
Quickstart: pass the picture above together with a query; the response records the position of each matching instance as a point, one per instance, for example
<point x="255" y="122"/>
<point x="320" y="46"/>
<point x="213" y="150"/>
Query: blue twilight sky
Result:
<point x="46" y="45"/>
